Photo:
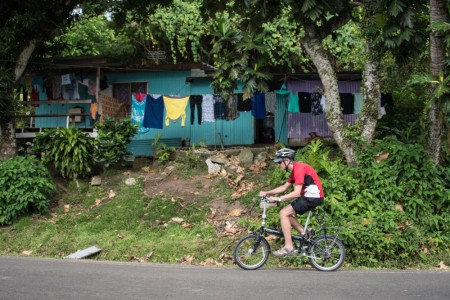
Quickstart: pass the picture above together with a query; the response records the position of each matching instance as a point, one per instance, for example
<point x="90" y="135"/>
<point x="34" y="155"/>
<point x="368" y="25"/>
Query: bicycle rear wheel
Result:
<point x="326" y="253"/>
<point x="251" y="254"/>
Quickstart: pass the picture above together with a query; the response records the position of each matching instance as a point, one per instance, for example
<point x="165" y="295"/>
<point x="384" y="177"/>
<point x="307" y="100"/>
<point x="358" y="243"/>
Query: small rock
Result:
<point x="246" y="157"/>
<point x="96" y="180"/>
<point x="261" y="157"/>
<point x="130" y="181"/>
<point x="219" y="160"/>
<point x="212" y="167"/>
<point x="111" y="194"/>
<point x="177" y="220"/>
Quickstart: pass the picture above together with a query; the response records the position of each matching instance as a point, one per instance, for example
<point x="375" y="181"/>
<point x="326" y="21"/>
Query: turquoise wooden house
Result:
<point x="81" y="91"/>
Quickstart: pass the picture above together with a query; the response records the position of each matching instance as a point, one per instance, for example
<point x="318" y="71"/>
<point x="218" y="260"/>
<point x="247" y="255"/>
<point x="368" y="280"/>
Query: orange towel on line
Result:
<point x="94" y="109"/>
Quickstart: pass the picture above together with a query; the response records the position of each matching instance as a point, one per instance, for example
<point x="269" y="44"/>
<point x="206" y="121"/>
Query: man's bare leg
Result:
<point x="286" y="226"/>
<point x="296" y="224"/>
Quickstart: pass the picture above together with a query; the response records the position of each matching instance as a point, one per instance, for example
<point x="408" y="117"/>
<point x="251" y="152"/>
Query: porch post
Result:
<point x="97" y="93"/>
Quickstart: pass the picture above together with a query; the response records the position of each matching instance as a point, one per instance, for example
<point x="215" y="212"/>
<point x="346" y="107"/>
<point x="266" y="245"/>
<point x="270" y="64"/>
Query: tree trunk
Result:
<point x="23" y="59"/>
<point x="371" y="83"/>
<point x="7" y="131"/>
<point x="8" y="142"/>
<point x="435" y="120"/>
<point x="335" y="118"/>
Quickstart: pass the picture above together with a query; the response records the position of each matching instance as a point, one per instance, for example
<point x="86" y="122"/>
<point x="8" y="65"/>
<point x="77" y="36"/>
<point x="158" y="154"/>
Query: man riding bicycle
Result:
<point x="307" y="194"/>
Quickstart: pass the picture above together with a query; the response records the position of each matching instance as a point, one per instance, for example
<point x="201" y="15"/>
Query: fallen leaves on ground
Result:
<point x="236" y="212"/>
<point x="111" y="194"/>
<point x="442" y="266"/>
<point x="381" y="156"/>
<point x="140" y="259"/>
<point x="258" y="167"/>
<point x="187" y="260"/>
<point x="210" y="262"/>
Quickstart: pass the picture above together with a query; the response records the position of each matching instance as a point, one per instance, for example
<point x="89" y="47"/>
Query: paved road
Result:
<point x="35" y="278"/>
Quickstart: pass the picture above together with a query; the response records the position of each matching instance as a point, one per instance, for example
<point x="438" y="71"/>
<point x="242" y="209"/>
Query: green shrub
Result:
<point x="26" y="188"/>
<point x="162" y="152"/>
<point x="112" y="140"/>
<point x="69" y="150"/>
<point x="394" y="209"/>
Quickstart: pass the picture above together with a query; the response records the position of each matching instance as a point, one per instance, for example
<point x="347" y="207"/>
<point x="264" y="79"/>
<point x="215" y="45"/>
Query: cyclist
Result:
<point x="307" y="194"/>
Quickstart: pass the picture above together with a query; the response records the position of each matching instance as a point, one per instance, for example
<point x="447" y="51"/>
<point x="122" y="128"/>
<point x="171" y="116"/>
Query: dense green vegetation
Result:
<point x="391" y="208"/>
<point x="73" y="153"/>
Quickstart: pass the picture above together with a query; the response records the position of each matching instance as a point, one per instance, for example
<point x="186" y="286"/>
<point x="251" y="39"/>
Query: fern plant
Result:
<point x="315" y="155"/>
<point x="69" y="150"/>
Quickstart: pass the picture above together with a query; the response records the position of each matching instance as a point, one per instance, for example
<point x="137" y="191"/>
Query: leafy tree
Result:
<point x="27" y="29"/>
<point x="93" y="35"/>
<point x="24" y="27"/>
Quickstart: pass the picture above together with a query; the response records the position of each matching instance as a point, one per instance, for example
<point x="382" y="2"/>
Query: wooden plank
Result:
<point x="84" y="253"/>
<point x="81" y="101"/>
<point x="50" y="115"/>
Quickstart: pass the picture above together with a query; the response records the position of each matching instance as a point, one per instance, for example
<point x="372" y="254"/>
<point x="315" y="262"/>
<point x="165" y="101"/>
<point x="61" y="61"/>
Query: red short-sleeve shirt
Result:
<point x="304" y="174"/>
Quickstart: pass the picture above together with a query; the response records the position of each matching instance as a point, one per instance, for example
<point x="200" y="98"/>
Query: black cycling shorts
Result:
<point x="304" y="204"/>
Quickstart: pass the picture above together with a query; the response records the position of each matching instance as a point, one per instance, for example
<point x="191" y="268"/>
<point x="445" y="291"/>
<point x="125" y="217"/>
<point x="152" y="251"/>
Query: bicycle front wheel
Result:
<point x="326" y="253"/>
<point x="251" y="253"/>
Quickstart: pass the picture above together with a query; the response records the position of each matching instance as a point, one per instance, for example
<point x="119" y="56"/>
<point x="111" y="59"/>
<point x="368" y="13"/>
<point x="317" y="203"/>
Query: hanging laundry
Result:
<point x="175" y="108"/>
<point x="38" y="87"/>
<point x="48" y="89"/>
<point x="56" y="88"/>
<point x="154" y="112"/>
<point x="209" y="107"/>
<point x="232" y="112"/>
<point x="196" y="101"/>
<point x="271" y="102"/>
<point x="65" y="79"/>
<point x="68" y="91"/>
<point x="293" y="103"/>
<point x="104" y="83"/>
<point x="140" y="97"/>
<point x="316" y="107"/>
<point x="34" y="96"/>
<point x="220" y="108"/>
<point x="244" y="105"/>
<point x="283" y="91"/>
<point x="347" y="103"/>
<point x="323" y="102"/>
<point x="258" y="106"/>
<point x="381" y="109"/>
<point x="91" y="84"/>
<point x="358" y="103"/>
<point x="83" y="90"/>
<point x="94" y="110"/>
<point x="304" y="102"/>
<point x="76" y="90"/>
<point x="387" y="102"/>
<point x="137" y="114"/>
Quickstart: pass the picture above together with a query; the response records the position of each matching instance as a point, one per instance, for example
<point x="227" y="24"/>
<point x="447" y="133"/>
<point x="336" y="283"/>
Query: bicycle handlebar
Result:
<point x="266" y="199"/>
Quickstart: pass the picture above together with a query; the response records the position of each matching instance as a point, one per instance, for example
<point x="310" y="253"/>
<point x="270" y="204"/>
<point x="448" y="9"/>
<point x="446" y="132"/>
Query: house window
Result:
<point x="123" y="91"/>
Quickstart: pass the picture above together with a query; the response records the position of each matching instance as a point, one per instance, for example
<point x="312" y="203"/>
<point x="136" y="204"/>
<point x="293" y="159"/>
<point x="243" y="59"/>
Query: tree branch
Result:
<point x="23" y="59"/>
